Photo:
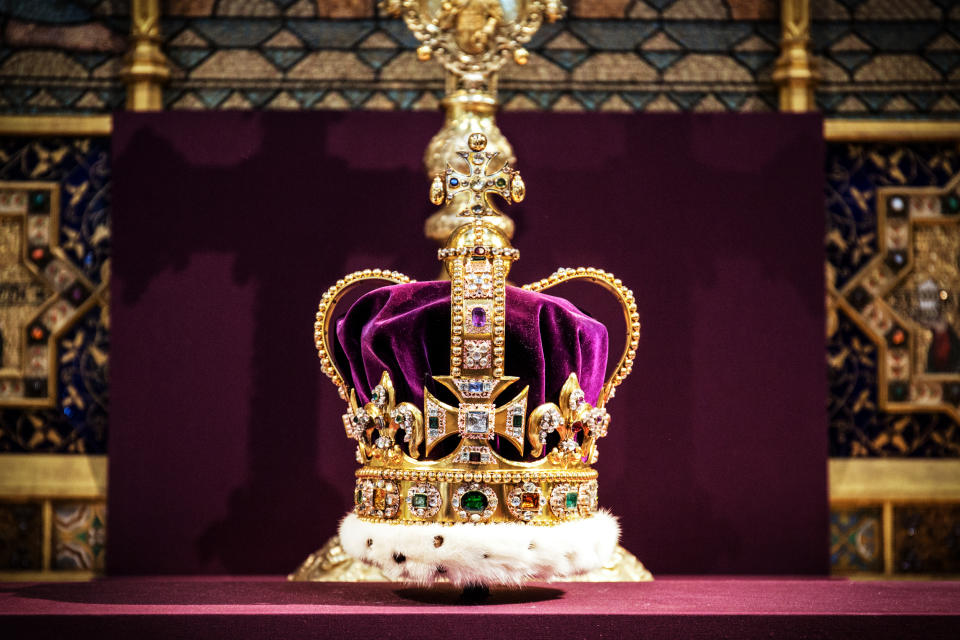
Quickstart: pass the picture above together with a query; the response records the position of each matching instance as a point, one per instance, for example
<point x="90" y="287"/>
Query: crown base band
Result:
<point x="506" y="553"/>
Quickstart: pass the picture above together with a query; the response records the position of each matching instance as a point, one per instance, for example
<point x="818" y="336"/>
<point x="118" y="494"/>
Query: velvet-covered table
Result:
<point x="238" y="608"/>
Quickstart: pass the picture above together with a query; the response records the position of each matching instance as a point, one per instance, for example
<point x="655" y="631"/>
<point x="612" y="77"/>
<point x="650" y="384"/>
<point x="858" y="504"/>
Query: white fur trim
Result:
<point x="482" y="554"/>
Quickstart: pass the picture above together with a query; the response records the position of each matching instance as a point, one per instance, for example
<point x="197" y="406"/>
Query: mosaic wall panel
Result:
<point x="877" y="57"/>
<point x="856" y="540"/>
<point x="21" y="536"/>
<point x="888" y="57"/>
<point x="612" y="55"/>
<point x="868" y="416"/>
<point x="927" y="539"/>
<point x="62" y="55"/>
<point x="79" y="535"/>
<point x="76" y="421"/>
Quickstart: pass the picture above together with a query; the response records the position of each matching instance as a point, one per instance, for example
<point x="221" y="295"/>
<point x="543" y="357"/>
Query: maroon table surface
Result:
<point x="213" y="607"/>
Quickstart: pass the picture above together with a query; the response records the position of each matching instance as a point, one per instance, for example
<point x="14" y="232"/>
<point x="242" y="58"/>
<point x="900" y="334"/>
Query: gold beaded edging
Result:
<point x="332" y="296"/>
<point x="632" y="318"/>
<point x="489" y="477"/>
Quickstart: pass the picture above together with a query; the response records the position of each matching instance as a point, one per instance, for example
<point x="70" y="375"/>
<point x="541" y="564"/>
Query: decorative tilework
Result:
<point x="62" y="55"/>
<point x="877" y="57"/>
<point x="79" y="535"/>
<point x="78" y="422"/>
<point x="857" y="426"/>
<point x="927" y="539"/>
<point x="684" y="62"/>
<point x="856" y="540"/>
<point x="21" y="536"/>
<point x="890" y="59"/>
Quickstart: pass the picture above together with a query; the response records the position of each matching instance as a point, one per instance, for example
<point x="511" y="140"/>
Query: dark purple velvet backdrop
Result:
<point x="226" y="449"/>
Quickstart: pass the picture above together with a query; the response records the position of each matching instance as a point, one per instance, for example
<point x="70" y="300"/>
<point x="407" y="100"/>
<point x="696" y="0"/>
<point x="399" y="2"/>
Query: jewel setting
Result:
<point x="474" y="502"/>
<point x="525" y="501"/>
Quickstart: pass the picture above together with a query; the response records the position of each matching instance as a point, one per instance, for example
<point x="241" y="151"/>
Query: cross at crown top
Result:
<point x="477" y="181"/>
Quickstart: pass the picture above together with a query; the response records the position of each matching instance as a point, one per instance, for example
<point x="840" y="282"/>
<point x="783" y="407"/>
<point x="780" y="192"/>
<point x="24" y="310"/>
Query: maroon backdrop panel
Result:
<point x="226" y="449"/>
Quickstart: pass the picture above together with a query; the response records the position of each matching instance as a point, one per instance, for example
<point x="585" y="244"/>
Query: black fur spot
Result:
<point x="399" y="558"/>
<point x="369" y="542"/>
<point x="531" y="546"/>
<point x="486" y="555"/>
<point x="441" y="570"/>
<point x="437" y="541"/>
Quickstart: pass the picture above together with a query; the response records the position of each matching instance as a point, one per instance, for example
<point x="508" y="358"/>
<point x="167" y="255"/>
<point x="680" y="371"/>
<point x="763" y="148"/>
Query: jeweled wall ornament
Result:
<point x="42" y="293"/>
<point x="906" y="298"/>
<point x="477" y="466"/>
<point x="472" y="40"/>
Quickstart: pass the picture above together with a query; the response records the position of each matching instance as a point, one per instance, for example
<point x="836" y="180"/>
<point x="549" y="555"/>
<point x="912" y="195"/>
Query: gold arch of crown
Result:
<point x="474" y="483"/>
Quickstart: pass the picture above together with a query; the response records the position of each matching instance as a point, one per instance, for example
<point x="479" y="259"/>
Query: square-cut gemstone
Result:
<point x="476" y="422"/>
<point x="475" y="386"/>
<point x="473" y="501"/>
<point x="433" y="422"/>
<point x="478" y="317"/>
<point x="419" y="501"/>
<point x="571" y="501"/>
<point x="517" y="421"/>
<point x="529" y="501"/>
<point x="474" y="456"/>
<point x="379" y="499"/>
<point x="358" y="497"/>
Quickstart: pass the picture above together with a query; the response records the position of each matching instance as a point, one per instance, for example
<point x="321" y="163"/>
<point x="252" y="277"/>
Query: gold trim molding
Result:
<point x="46" y="475"/>
<point x="896" y="480"/>
<point x="99" y="125"/>
<point x="843" y="130"/>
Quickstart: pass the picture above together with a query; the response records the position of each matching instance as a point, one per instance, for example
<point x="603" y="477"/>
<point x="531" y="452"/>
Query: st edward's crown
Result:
<point x="482" y="473"/>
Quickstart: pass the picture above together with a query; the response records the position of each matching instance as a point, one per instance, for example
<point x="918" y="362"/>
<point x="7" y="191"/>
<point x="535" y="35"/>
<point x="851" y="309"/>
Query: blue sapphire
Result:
<point x="475" y="386"/>
<point x="454" y="182"/>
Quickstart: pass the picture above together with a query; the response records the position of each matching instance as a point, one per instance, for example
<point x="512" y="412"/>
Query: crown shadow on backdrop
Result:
<point x="226" y="448"/>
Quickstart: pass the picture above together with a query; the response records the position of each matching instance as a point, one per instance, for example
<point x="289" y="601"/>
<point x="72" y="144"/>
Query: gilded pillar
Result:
<point x="145" y="67"/>
<point x="795" y="72"/>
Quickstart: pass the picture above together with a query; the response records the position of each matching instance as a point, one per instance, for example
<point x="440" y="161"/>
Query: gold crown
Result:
<point x="401" y="478"/>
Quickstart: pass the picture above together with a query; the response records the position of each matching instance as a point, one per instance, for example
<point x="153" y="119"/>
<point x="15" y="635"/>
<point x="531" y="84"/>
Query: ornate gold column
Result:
<point x="145" y="69"/>
<point x="795" y="70"/>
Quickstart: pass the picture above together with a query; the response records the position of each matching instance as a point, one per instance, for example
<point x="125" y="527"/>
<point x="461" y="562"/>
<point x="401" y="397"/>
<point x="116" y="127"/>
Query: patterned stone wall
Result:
<point x="608" y="55"/>
<point x="888" y="57"/>
<point x="877" y="57"/>
<point x="62" y="56"/>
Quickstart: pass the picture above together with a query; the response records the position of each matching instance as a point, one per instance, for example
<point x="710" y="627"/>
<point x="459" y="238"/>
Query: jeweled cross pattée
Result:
<point x="478" y="181"/>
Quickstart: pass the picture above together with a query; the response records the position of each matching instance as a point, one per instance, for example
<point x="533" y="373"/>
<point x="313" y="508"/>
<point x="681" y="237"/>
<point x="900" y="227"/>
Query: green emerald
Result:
<point x="501" y="182"/>
<point x="517" y="420"/>
<point x="571" y="501"/>
<point x="358" y="498"/>
<point x="951" y="204"/>
<point x="419" y="501"/>
<point x="434" y="423"/>
<point x="473" y="501"/>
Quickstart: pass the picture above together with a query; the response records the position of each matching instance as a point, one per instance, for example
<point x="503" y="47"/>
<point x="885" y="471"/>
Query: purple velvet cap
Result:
<point x="405" y="330"/>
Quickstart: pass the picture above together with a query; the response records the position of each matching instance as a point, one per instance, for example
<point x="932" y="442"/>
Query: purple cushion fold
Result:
<point x="405" y="330"/>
